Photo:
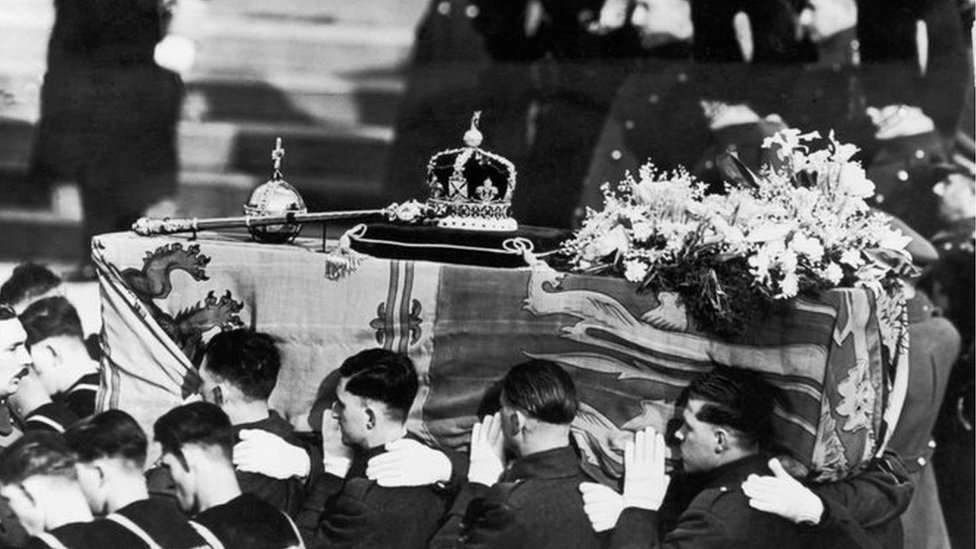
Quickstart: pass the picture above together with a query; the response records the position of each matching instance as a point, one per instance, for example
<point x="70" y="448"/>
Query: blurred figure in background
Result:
<point x="953" y="288"/>
<point x="443" y="88"/>
<point x="921" y="44"/>
<point x="555" y="72"/>
<point x="108" y="113"/>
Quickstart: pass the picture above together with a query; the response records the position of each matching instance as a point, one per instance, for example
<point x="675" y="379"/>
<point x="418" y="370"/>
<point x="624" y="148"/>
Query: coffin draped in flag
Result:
<point x="630" y="354"/>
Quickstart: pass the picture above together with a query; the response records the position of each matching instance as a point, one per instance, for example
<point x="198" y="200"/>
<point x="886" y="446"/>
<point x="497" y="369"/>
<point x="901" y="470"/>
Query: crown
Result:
<point x="471" y="188"/>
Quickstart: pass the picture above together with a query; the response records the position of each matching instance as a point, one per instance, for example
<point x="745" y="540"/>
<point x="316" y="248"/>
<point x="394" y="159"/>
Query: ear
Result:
<point x="101" y="475"/>
<point x="218" y="395"/>
<point x="721" y="440"/>
<point x="193" y="455"/>
<point x="44" y="348"/>
<point x="520" y="421"/>
<point x="370" y="416"/>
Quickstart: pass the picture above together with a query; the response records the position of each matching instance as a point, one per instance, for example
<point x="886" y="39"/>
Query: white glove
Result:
<point x="602" y="505"/>
<point x="408" y="462"/>
<point x="268" y="454"/>
<point x="487" y="451"/>
<point x="645" y="481"/>
<point x="825" y="18"/>
<point x="336" y="456"/>
<point x="176" y="53"/>
<point x="613" y="15"/>
<point x="783" y="495"/>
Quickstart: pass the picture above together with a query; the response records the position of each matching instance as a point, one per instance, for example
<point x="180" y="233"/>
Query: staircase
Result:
<point x="325" y="75"/>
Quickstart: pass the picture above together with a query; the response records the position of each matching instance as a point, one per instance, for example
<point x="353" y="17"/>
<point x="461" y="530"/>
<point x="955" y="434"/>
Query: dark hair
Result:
<point x="110" y="434"/>
<point x="382" y="375"/>
<point x="198" y="423"/>
<point x="7" y="312"/>
<point x="27" y="281"/>
<point x="736" y="398"/>
<point x="543" y="390"/>
<point x="51" y="317"/>
<point x="37" y="453"/>
<point x="247" y="359"/>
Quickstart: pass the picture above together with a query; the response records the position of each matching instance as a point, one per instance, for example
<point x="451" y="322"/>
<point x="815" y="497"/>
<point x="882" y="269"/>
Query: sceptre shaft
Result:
<point x="149" y="226"/>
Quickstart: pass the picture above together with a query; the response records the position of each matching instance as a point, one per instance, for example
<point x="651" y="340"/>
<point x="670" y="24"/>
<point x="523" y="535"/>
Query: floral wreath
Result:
<point x="796" y="228"/>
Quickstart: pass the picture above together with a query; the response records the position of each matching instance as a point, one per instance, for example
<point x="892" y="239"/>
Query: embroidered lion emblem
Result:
<point x="185" y="328"/>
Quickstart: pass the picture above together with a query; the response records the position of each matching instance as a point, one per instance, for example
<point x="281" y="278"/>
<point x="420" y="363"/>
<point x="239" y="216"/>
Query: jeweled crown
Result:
<point x="471" y="188"/>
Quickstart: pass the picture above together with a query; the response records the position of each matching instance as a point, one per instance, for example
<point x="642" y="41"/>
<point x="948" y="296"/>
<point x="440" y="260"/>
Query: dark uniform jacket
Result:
<point x="536" y="504"/>
<point x="76" y="403"/>
<point x="248" y="522"/>
<point x="108" y="111"/>
<point x="161" y="521"/>
<point x="865" y="507"/>
<point x="97" y="534"/>
<point x="356" y="512"/>
<point x="934" y="348"/>
<point x="285" y="494"/>
<point x="719" y="516"/>
<point x="149" y="523"/>
<point x="935" y="345"/>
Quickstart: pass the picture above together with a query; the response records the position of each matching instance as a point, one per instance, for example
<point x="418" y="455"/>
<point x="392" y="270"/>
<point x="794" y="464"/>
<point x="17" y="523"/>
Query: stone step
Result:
<point x="221" y="194"/>
<point x="247" y="46"/>
<point x="353" y="152"/>
<point x="403" y="13"/>
<point x="20" y="192"/>
<point x="391" y="12"/>
<point x="294" y="100"/>
<point x="30" y="233"/>
<point x="250" y="46"/>
<point x="350" y="152"/>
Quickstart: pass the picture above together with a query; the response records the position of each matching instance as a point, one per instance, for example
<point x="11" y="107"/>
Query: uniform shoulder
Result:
<point x="531" y="492"/>
<point x="724" y="496"/>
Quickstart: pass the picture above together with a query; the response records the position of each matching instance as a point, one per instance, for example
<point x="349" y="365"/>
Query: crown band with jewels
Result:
<point x="471" y="188"/>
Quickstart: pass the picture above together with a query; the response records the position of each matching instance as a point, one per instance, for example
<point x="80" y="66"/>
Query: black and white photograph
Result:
<point x="487" y="274"/>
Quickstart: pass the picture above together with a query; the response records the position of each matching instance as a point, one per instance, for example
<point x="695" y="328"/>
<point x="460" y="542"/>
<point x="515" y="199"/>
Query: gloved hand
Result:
<point x="613" y="15"/>
<point x="602" y="505"/>
<point x="645" y="481"/>
<point x="408" y="462"/>
<point x="783" y="495"/>
<point x="487" y="451"/>
<point x="826" y="18"/>
<point x="176" y="53"/>
<point x="268" y="454"/>
<point x="336" y="456"/>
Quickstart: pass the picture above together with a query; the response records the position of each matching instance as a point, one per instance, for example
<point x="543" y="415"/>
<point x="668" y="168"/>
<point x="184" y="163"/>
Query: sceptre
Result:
<point x="149" y="226"/>
<point x="274" y="203"/>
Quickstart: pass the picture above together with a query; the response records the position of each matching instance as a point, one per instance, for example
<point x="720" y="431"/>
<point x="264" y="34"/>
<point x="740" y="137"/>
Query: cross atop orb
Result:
<point x="277" y="155"/>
